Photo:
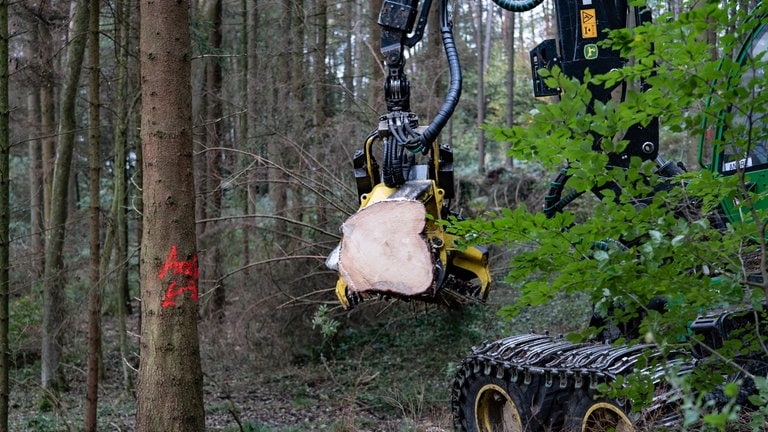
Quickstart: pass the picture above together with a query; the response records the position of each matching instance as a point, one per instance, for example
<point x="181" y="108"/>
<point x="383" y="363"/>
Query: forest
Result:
<point x="276" y="120"/>
<point x="281" y="95"/>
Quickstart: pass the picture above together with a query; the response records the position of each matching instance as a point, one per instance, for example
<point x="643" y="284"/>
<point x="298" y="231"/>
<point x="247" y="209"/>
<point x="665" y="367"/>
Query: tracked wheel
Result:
<point x="496" y="411"/>
<point x="491" y="404"/>
<point x="493" y="399"/>
<point x="604" y="417"/>
<point x="589" y="414"/>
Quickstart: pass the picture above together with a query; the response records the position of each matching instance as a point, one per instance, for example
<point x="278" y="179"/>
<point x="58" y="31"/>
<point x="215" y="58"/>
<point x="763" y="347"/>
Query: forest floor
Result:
<point x="385" y="368"/>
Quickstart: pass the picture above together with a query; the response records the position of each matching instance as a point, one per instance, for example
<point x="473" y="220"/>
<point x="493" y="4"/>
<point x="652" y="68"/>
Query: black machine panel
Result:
<point x="583" y="24"/>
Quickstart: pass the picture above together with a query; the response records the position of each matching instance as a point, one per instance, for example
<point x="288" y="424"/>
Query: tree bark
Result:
<point x="5" y="220"/>
<point x="35" y="151"/>
<point x="53" y="288"/>
<point x="170" y="387"/>
<point x="94" y="187"/>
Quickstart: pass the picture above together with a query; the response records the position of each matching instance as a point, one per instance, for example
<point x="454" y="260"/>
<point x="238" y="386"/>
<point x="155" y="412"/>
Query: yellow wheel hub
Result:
<point x="495" y="411"/>
<point x="603" y="417"/>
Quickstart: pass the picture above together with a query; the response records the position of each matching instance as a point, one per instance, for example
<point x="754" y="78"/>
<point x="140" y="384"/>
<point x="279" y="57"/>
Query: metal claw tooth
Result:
<point x="514" y="376"/>
<point x="547" y="379"/>
<point x="563" y="380"/>
<point x="592" y="381"/>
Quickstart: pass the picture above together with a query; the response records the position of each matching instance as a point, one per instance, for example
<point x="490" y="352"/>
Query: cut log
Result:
<point x="384" y="249"/>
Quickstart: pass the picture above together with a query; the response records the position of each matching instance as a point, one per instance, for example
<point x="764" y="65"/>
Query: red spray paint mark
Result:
<point x="186" y="269"/>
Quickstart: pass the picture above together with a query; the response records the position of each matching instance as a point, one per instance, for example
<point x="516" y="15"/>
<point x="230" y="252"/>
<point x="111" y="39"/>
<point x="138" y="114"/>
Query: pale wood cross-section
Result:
<point x="384" y="249"/>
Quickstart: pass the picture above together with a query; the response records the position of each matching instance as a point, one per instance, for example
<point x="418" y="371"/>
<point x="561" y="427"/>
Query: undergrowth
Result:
<point x="383" y="367"/>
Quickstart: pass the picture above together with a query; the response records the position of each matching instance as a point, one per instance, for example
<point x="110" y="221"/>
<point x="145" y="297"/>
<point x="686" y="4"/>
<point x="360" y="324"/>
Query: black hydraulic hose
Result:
<point x="392" y="170"/>
<point x="553" y="203"/>
<point x="454" y="69"/>
<point x="555" y="192"/>
<point x="561" y="204"/>
<point x="454" y="87"/>
<point x="518" y="5"/>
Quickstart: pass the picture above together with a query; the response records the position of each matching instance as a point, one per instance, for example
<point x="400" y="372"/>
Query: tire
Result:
<point x="496" y="402"/>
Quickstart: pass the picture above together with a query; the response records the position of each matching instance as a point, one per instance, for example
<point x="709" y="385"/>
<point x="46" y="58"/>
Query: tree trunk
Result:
<point x="348" y="79"/>
<point x="211" y="268"/>
<point x="133" y="21"/>
<point x="322" y="108"/>
<point x="297" y="97"/>
<point x="120" y="230"/>
<point x="478" y="20"/>
<point x="278" y="190"/>
<point x="170" y="387"/>
<point x="94" y="183"/>
<point x="35" y="151"/>
<point x="488" y="33"/>
<point x="48" y="118"/>
<point x="5" y="220"/>
<point x="255" y="175"/>
<point x="53" y="289"/>
<point x="509" y="37"/>
<point x="434" y="64"/>
<point x="377" y="72"/>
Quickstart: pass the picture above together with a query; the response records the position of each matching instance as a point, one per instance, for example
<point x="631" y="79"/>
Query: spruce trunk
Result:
<point x="170" y="387"/>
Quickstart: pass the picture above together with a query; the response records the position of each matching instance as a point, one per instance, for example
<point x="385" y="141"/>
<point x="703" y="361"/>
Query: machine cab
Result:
<point x="756" y="155"/>
<point x="751" y="158"/>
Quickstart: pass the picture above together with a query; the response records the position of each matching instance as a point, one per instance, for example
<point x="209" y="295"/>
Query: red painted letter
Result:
<point x="187" y="270"/>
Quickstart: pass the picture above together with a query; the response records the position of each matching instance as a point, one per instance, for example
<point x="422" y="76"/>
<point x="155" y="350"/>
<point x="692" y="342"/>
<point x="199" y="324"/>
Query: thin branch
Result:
<point x="269" y="216"/>
<point x="268" y="261"/>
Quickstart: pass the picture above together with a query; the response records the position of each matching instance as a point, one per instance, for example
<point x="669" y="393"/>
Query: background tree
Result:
<point x="209" y="175"/>
<point x="303" y="125"/>
<point x="509" y="47"/>
<point x="94" y="232"/>
<point x="481" y="29"/>
<point x="5" y="218"/>
<point x="119" y="229"/>
<point x="48" y="16"/>
<point x="36" y="214"/>
<point x="54" y="283"/>
<point x="170" y="387"/>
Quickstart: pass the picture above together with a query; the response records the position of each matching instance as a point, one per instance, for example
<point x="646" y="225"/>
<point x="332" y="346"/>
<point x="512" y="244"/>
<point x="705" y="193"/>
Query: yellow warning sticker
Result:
<point x="588" y="23"/>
